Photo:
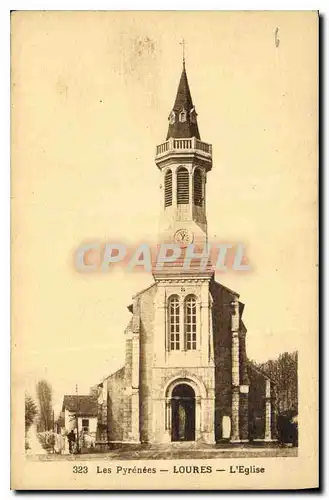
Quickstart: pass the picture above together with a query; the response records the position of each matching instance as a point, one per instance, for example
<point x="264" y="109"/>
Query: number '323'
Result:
<point x="80" y="469"/>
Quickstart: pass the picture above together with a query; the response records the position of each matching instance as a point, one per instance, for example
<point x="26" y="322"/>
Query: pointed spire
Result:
<point x="183" y="117"/>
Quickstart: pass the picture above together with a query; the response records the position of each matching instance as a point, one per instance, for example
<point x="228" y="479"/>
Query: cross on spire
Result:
<point x="183" y="43"/>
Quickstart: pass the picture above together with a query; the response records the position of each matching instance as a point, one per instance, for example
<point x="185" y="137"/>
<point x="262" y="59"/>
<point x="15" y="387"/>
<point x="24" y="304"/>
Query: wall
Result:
<point x="222" y="344"/>
<point x="92" y="424"/>
<point x="158" y="366"/>
<point x="102" y="410"/>
<point x="147" y="332"/>
<point x="115" y="405"/>
<point x="256" y="405"/>
<point x="70" y="421"/>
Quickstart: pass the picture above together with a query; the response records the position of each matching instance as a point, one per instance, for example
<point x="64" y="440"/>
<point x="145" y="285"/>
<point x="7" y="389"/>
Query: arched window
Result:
<point x="168" y="189"/>
<point x="182" y="186"/>
<point x="190" y="322"/>
<point x="197" y="187"/>
<point x="193" y="115"/>
<point x="173" y="321"/>
<point x="182" y="116"/>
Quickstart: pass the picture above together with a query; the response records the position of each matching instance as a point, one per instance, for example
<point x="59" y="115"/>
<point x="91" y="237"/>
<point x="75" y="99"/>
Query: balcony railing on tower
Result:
<point x="187" y="145"/>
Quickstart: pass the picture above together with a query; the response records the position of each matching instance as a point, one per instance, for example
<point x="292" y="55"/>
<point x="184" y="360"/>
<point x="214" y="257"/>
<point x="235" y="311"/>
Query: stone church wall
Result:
<point x="221" y="319"/>
<point x="146" y="310"/>
<point x="116" y="404"/>
<point x="257" y="402"/>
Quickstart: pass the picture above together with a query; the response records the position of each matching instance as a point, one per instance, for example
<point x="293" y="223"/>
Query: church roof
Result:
<point x="144" y="290"/>
<point x="183" y="125"/>
<point x="229" y="290"/>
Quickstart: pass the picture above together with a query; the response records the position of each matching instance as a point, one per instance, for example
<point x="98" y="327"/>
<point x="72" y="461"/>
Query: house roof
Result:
<point x="183" y="102"/>
<point x="83" y="405"/>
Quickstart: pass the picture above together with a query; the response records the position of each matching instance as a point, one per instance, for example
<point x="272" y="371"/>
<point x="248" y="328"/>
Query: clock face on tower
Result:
<point x="183" y="237"/>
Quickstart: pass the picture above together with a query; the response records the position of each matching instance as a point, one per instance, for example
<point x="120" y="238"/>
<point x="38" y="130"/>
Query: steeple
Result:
<point x="183" y="117"/>
<point x="184" y="161"/>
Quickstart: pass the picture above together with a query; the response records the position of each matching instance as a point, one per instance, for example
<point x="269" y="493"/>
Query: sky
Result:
<point x="91" y="95"/>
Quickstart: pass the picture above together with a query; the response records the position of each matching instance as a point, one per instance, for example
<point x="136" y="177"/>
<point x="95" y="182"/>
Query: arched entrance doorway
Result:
<point x="183" y="413"/>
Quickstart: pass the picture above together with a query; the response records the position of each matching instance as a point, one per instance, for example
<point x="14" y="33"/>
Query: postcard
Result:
<point x="164" y="215"/>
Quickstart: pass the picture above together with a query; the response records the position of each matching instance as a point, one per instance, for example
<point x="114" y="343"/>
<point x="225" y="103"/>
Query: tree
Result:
<point x="288" y="395"/>
<point x="284" y="373"/>
<point x="31" y="411"/>
<point x="44" y="395"/>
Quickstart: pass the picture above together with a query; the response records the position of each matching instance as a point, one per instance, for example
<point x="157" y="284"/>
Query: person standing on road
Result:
<point x="71" y="439"/>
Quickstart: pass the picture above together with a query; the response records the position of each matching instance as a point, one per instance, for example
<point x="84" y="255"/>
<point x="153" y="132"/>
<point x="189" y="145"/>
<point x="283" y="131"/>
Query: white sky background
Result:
<point x="92" y="101"/>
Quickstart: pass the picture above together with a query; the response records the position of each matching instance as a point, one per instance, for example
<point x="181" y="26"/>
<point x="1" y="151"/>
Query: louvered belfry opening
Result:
<point x="168" y="189"/>
<point x="197" y="188"/>
<point x="182" y="186"/>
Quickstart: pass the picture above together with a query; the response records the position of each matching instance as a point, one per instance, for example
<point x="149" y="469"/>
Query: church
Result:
<point x="186" y="375"/>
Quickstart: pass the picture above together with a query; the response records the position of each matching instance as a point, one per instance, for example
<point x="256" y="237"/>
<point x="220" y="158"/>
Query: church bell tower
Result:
<point x="183" y="358"/>
<point x="184" y="161"/>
